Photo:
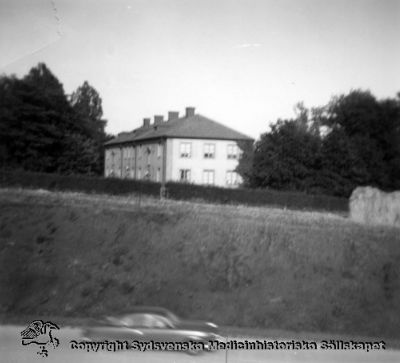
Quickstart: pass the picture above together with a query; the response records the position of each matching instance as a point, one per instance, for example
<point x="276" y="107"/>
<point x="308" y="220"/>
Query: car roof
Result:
<point x="146" y="310"/>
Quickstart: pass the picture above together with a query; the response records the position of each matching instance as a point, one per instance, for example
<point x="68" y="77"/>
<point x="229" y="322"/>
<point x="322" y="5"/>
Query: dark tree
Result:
<point x="342" y="167"/>
<point x="287" y="157"/>
<point x="87" y="105"/>
<point x="41" y="130"/>
<point x="245" y="164"/>
<point x="356" y="113"/>
<point x="81" y="155"/>
<point x="35" y="115"/>
<point x="372" y="129"/>
<point x="352" y="141"/>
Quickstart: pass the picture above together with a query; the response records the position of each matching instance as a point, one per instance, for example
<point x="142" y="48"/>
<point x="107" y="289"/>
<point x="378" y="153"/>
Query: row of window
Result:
<point x="208" y="177"/>
<point x="129" y="152"/>
<point x="147" y="175"/>
<point x="232" y="178"/>
<point x="147" y="150"/>
<point x="185" y="150"/>
<point x="129" y="173"/>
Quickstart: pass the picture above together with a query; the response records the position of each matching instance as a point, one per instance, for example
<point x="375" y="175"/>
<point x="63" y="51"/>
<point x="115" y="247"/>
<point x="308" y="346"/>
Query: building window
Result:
<point x="185" y="149"/>
<point x="147" y="174"/>
<point x="233" y="151"/>
<point x="208" y="176"/>
<point x="126" y="155"/>
<point x="148" y="152"/>
<point x="184" y="175"/>
<point x="209" y="151"/>
<point x="158" y="175"/>
<point x="232" y="178"/>
<point x="159" y="150"/>
<point x="131" y="156"/>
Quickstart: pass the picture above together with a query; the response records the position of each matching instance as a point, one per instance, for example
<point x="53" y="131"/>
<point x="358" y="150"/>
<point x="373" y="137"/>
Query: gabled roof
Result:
<point x="192" y="127"/>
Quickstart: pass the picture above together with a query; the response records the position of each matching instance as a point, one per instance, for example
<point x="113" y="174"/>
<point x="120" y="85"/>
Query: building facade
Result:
<point x="191" y="149"/>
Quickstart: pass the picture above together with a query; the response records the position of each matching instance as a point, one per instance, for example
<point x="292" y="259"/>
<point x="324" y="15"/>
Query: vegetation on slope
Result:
<point x="78" y="255"/>
<point x="175" y="190"/>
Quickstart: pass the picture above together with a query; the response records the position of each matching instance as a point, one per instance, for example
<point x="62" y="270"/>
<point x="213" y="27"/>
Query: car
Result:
<point x="153" y="324"/>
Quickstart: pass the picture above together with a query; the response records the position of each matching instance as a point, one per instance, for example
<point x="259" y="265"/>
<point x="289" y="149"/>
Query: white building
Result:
<point x="190" y="149"/>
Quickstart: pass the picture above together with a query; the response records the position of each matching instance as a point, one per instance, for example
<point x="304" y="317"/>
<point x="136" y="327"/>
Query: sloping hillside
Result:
<point x="81" y="255"/>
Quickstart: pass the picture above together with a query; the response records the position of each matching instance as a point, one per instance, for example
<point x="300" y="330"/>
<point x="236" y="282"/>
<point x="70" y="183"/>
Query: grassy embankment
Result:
<point x="77" y="255"/>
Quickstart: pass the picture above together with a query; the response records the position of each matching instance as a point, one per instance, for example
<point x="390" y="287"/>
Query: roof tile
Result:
<point x="196" y="126"/>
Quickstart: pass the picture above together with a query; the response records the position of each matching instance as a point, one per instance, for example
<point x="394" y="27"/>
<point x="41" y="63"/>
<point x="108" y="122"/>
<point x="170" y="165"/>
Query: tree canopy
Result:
<point x="41" y="129"/>
<point x="353" y="140"/>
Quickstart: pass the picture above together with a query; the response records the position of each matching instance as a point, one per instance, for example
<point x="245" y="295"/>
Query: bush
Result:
<point x="77" y="183"/>
<point x="291" y="200"/>
<point x="179" y="191"/>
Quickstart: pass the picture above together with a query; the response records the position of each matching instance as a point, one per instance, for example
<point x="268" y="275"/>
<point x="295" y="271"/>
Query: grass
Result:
<point x="175" y="190"/>
<point x="73" y="254"/>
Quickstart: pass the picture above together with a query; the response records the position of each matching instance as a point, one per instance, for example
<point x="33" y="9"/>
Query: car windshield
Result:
<point x="172" y="317"/>
<point x="145" y="321"/>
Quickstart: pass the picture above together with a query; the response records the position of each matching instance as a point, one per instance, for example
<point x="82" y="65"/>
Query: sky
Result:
<point x="244" y="63"/>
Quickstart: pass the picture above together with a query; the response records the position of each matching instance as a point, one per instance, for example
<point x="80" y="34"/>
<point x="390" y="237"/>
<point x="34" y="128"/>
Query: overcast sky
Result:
<point x="244" y="63"/>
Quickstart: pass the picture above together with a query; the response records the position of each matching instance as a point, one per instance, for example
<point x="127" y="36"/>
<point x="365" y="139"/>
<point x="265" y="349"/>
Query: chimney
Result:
<point x="190" y="111"/>
<point x="158" y="119"/>
<point x="146" y="122"/>
<point x="173" y="115"/>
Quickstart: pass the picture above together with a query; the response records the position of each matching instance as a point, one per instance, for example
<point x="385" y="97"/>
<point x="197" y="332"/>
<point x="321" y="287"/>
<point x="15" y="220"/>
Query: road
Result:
<point x="12" y="351"/>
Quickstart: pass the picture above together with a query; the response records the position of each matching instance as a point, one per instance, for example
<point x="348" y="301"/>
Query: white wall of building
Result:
<point x="113" y="162"/>
<point x="142" y="161"/>
<point x="149" y="161"/>
<point x="216" y="170"/>
<point x="198" y="161"/>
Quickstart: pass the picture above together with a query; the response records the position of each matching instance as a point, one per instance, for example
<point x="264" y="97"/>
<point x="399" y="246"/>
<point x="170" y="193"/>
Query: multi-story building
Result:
<point x="190" y="149"/>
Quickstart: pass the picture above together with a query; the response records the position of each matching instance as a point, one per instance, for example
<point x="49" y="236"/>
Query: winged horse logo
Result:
<point x="40" y="333"/>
